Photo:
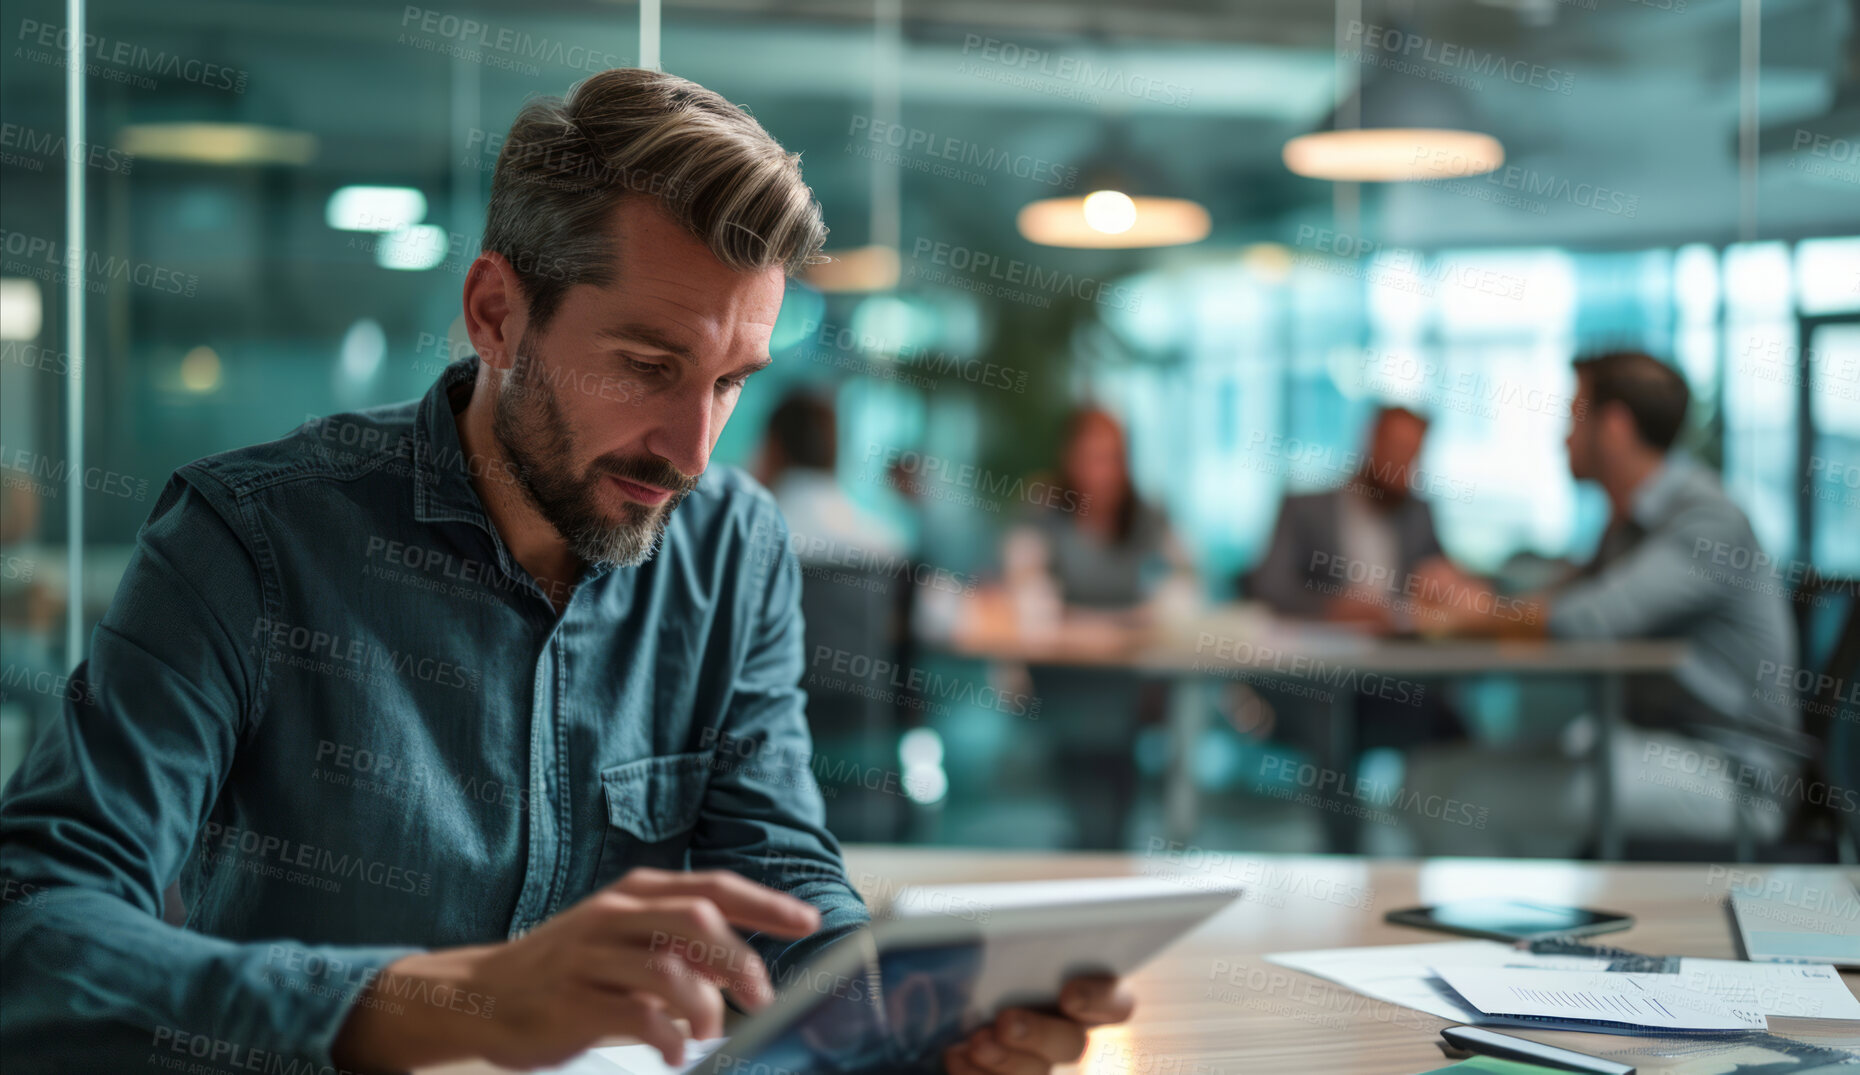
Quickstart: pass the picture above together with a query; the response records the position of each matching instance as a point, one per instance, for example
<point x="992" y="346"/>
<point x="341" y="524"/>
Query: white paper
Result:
<point x="1404" y="973"/>
<point x="1653" y="1001"/>
<point x="1797" y="990"/>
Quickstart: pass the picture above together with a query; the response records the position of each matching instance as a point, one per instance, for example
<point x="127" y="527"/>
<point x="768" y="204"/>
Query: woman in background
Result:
<point x="1097" y="565"/>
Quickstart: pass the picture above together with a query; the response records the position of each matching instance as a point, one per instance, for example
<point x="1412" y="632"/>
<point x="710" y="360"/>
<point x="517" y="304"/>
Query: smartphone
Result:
<point x="1511" y="920"/>
<point x="1468" y="1039"/>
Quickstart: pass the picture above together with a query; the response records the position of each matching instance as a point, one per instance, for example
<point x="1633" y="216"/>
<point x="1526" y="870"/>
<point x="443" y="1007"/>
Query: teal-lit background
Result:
<point x="1720" y="254"/>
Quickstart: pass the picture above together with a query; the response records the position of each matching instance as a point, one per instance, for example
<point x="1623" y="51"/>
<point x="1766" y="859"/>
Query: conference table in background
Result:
<point x="1210" y="1003"/>
<point x="1243" y="643"/>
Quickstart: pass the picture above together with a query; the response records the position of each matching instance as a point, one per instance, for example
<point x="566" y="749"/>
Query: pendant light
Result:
<point x="1396" y="127"/>
<point x="1118" y="210"/>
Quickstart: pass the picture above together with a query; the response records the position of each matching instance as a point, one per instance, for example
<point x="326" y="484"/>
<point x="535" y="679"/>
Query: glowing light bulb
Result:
<point x="1110" y="211"/>
<point x="200" y="370"/>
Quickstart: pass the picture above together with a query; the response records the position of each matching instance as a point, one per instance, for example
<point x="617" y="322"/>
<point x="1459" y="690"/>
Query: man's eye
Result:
<point x="730" y="383"/>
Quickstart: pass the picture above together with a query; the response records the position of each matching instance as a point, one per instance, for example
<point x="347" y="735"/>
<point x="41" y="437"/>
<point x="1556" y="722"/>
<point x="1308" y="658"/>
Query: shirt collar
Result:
<point x="1654" y="499"/>
<point x="442" y="488"/>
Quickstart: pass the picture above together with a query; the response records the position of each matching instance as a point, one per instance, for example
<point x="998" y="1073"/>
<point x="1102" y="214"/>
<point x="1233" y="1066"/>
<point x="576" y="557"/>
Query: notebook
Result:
<point x="1790" y="916"/>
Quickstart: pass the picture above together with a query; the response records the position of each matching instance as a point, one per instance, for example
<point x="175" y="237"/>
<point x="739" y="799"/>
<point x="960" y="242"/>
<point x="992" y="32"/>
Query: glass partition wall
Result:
<point x="222" y="219"/>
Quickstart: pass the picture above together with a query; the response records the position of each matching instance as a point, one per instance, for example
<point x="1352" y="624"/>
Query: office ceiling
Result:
<point x="1650" y="114"/>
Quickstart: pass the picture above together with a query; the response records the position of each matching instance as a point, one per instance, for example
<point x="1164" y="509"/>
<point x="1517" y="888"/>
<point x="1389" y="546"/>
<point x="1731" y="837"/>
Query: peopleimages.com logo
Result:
<point x="1400" y="50"/>
<point x="1009" y="278"/>
<point x="1043" y="71"/>
<point x="468" y="39"/>
<point x="123" y="61"/>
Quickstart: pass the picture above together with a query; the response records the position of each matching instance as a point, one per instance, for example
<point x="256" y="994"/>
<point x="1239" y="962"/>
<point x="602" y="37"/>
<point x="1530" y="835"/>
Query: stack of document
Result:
<point x="1488" y="983"/>
<point x="1595" y="1000"/>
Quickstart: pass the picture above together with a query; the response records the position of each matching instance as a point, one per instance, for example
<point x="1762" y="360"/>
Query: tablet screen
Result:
<point x="897" y="1016"/>
<point x="1514" y="918"/>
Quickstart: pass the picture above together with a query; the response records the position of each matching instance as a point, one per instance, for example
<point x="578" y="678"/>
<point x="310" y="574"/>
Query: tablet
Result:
<point x="1511" y="920"/>
<point x="892" y="997"/>
<point x="1790" y="916"/>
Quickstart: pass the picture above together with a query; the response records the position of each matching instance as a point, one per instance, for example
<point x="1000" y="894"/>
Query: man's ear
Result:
<point x="1618" y="424"/>
<point x="495" y="309"/>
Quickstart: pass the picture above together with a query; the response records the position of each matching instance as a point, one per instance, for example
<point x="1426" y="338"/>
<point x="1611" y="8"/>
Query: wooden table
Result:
<point x="1242" y="643"/>
<point x="1193" y="1018"/>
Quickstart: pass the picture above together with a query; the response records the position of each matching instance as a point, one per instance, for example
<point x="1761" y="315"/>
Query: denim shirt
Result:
<point x="328" y="701"/>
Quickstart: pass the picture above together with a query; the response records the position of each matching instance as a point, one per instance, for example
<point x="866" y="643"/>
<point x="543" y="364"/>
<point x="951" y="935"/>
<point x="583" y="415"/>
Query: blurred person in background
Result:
<point x="32" y="686"/>
<point x="800" y="452"/>
<point x="1106" y="565"/>
<point x="1340" y="556"/>
<point x="1678" y="560"/>
<point x="1346" y="556"/>
<point x="856" y="600"/>
<point x="32" y="606"/>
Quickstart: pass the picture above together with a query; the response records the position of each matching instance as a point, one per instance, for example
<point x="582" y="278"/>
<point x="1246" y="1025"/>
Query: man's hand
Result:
<point x="1361" y="607"/>
<point x="630" y="960"/>
<point x="1022" y="1042"/>
<point x="1454" y="604"/>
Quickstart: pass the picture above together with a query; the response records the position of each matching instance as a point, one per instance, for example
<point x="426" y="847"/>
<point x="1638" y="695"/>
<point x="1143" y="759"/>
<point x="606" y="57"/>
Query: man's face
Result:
<point x="1393" y="447"/>
<point x="1583" y="430"/>
<point x="610" y="413"/>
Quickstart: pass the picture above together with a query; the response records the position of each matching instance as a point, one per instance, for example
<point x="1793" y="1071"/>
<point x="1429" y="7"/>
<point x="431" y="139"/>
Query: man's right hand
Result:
<point x="1360" y="607"/>
<point x="630" y="960"/>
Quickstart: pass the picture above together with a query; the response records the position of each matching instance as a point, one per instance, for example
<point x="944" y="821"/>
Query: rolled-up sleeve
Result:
<point x="1649" y="592"/>
<point x="105" y="810"/>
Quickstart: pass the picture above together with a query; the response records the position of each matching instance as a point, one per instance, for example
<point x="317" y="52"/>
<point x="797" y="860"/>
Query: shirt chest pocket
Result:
<point x="652" y="808"/>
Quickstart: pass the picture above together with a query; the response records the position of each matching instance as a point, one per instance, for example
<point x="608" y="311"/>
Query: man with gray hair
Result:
<point x="454" y="738"/>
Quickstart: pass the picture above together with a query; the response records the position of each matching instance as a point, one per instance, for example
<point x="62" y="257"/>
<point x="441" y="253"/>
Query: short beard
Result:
<point x="530" y="428"/>
<point x="1380" y="489"/>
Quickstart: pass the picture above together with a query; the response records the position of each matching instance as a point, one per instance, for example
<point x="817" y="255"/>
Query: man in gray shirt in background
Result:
<point x="1678" y="561"/>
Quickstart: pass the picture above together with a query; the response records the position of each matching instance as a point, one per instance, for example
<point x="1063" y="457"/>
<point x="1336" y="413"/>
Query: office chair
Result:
<point x="1819" y="829"/>
<point x="1828" y="622"/>
<point x="857" y="631"/>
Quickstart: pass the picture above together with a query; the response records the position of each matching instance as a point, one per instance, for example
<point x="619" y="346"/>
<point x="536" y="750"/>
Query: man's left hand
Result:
<point x="1023" y="1042"/>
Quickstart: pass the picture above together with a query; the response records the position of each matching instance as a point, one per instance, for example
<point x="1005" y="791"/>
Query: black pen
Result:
<point x="1620" y="959"/>
<point x="1505" y="1047"/>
